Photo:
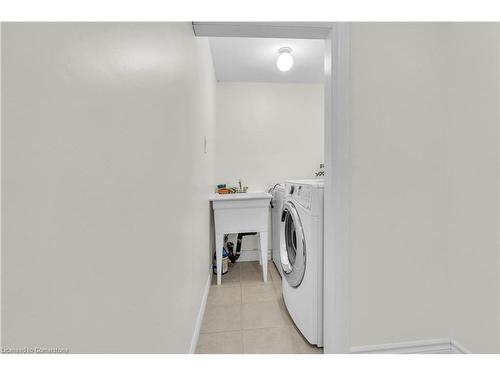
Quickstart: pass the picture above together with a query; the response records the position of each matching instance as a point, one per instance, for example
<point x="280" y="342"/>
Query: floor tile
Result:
<point x="262" y="315"/>
<point x="275" y="275"/>
<point x="246" y="315"/>
<point x="300" y="343"/>
<point x="277" y="282"/>
<point x="220" y="343"/>
<point x="284" y="311"/>
<point x="254" y="278"/>
<point x="224" y="296"/>
<point x="230" y="279"/>
<point x="250" y="267"/>
<point x="268" y="341"/>
<point x="234" y="266"/>
<point x="221" y="318"/>
<point x="258" y="293"/>
<point x="278" y="288"/>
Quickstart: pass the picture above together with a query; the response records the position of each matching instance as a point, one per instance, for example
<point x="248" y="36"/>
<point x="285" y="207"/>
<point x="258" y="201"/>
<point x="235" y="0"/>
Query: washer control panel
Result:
<point x="302" y="194"/>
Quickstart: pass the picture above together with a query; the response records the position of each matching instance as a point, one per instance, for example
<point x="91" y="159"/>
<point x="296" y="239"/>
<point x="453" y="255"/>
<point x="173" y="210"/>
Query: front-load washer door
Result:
<point x="292" y="245"/>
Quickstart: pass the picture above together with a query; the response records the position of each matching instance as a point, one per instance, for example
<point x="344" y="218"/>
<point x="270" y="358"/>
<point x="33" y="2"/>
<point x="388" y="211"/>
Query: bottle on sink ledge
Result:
<point x="223" y="189"/>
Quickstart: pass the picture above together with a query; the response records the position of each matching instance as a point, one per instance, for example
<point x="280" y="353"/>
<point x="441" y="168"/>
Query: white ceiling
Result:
<point x="254" y="59"/>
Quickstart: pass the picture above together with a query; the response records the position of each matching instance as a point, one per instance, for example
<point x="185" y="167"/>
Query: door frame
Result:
<point x="337" y="200"/>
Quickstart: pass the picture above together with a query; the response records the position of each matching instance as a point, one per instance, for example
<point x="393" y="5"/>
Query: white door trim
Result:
<point x="336" y="235"/>
<point x="337" y="158"/>
<point x="288" y="30"/>
<point x="0" y="184"/>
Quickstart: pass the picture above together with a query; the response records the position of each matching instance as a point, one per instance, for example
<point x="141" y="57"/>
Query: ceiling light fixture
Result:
<point x="284" y="62"/>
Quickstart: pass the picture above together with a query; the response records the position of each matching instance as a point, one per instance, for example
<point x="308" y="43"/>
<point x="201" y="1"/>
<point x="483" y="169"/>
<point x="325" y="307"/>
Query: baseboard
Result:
<point x="435" y="346"/>
<point x="201" y="313"/>
<point x="252" y="255"/>
<point x="457" y="348"/>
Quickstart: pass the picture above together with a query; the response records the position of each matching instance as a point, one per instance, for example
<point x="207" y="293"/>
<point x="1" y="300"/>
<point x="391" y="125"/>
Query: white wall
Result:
<point x="399" y="285"/>
<point x="425" y="183"/>
<point x="267" y="133"/>
<point x="103" y="180"/>
<point x="472" y="184"/>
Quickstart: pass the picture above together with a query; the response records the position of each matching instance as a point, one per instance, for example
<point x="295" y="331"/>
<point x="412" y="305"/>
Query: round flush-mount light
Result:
<point x="284" y="62"/>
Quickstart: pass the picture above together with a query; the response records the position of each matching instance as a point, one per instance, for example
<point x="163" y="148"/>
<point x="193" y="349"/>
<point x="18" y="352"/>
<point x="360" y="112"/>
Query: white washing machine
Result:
<point x="278" y="192"/>
<point x="301" y="256"/>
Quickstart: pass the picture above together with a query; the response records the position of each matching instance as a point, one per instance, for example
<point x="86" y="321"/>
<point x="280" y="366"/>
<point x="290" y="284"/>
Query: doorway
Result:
<point x="336" y="239"/>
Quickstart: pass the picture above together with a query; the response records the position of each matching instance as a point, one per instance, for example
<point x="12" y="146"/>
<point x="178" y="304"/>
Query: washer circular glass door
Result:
<point x="292" y="245"/>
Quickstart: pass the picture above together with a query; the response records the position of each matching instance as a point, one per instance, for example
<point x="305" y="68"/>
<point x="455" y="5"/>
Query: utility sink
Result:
<point x="240" y="196"/>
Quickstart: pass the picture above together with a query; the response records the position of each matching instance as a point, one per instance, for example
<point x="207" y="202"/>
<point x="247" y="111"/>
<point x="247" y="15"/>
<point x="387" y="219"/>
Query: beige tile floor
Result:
<point x="246" y="315"/>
